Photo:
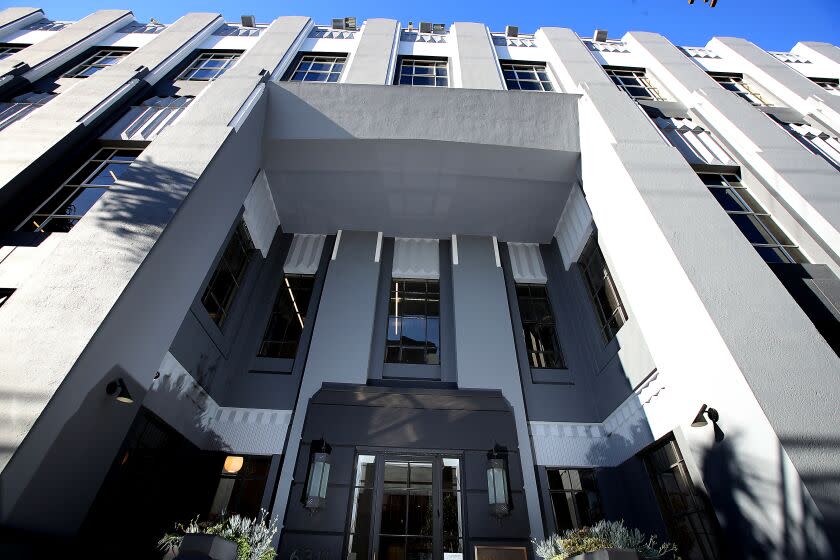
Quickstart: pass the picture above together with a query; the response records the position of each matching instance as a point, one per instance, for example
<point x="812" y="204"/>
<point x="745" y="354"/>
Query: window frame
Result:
<point x="740" y="195"/>
<point x="93" y="62"/>
<point x="95" y="166"/>
<point x="447" y="76"/>
<point x="196" y="65"/>
<point x="11" y="49"/>
<point x="294" y="67"/>
<point x="559" y="362"/>
<point x="638" y="74"/>
<point x="535" y="67"/>
<point x="741" y="88"/>
<point x="590" y="251"/>
<point x="831" y="85"/>
<point x="576" y="514"/>
<point x="302" y="315"/>
<point x="238" y="278"/>
<point x="393" y="294"/>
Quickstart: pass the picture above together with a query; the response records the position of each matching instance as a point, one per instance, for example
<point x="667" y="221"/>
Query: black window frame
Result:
<point x="751" y="218"/>
<point x="588" y="489"/>
<point x="828" y="84"/>
<point x="255" y="469"/>
<point x="528" y="316"/>
<point x="395" y="315"/>
<point x="609" y="329"/>
<point x="5" y="294"/>
<point x="734" y="82"/>
<point x="298" y="307"/>
<point x="294" y="67"/>
<point x="240" y="239"/>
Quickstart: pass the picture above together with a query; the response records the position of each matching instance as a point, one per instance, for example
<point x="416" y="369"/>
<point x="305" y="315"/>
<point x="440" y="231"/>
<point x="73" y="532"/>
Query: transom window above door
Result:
<point x="406" y="507"/>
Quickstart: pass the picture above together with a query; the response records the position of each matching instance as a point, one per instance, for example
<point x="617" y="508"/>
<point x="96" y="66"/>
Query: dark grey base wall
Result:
<point x="380" y="420"/>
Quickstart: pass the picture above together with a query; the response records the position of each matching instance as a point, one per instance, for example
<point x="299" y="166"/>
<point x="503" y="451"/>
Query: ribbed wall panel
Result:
<point x="416" y="258"/>
<point x="304" y="254"/>
<point x="526" y="263"/>
<point x="574" y="228"/>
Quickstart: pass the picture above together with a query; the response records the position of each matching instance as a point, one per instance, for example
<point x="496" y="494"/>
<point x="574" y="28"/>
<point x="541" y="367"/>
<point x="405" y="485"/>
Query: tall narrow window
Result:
<point x="20" y="106"/>
<point x="736" y="84"/>
<point x="608" y="306"/>
<point x="288" y="315"/>
<point x="531" y="76"/>
<point x="208" y="66"/>
<point x="574" y="498"/>
<point x="310" y="67"/>
<point x="758" y="226"/>
<point x="361" y="517"/>
<point x="102" y="58"/>
<point x="633" y="81"/>
<point x="227" y="278"/>
<point x="688" y="519"/>
<point x="66" y="206"/>
<point x="537" y="316"/>
<point x="418" y="71"/>
<point x="414" y="322"/>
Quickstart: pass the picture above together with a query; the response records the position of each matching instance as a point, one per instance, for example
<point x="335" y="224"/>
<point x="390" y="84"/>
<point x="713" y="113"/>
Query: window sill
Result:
<point x="411" y="371"/>
<point x="552" y="376"/>
<point x="281" y="366"/>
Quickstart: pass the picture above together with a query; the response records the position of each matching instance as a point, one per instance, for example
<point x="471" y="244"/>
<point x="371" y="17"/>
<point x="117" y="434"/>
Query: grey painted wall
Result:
<point x="12" y="19"/>
<point x="476" y="56"/>
<point x="373" y="61"/>
<point x="125" y="257"/>
<point x="486" y="355"/>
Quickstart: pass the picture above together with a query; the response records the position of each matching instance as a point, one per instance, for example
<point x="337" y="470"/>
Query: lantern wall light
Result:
<point x="318" y="476"/>
<point x="497" y="482"/>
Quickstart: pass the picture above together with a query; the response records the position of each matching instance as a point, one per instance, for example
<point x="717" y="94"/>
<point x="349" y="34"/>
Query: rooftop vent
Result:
<point x="348" y="23"/>
<point x="511" y="31"/>
<point x="600" y="35"/>
<point x="249" y="21"/>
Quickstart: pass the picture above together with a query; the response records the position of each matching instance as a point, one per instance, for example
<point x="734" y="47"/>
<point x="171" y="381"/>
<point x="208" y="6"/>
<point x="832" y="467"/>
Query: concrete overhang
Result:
<point x="422" y="162"/>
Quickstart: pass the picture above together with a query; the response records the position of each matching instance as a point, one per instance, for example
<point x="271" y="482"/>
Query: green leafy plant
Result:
<point x="604" y="534"/>
<point x="252" y="536"/>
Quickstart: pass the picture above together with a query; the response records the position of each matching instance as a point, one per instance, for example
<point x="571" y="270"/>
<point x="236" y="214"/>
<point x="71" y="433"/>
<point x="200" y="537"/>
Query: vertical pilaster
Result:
<point x="376" y="54"/>
<point x="341" y="340"/>
<point x="98" y="302"/>
<point x="804" y="182"/>
<point x="485" y="353"/>
<point x="476" y="63"/>
<point x="12" y="19"/>
<point x="682" y="262"/>
<point x="784" y="82"/>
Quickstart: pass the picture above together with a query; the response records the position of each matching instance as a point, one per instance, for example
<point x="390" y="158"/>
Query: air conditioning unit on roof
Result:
<point x="425" y="27"/>
<point x="438" y="28"/>
<point x="511" y="31"/>
<point x="348" y="23"/>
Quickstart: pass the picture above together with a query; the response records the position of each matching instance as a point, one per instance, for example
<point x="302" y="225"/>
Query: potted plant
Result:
<point x="228" y="538"/>
<point x="606" y="540"/>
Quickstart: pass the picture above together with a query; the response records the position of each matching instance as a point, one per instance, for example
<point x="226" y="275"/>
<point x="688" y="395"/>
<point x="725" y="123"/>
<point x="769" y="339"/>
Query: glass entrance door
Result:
<point x="406" y="507"/>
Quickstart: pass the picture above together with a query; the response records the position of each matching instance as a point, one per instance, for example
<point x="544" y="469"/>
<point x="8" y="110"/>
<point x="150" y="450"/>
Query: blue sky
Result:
<point x="772" y="24"/>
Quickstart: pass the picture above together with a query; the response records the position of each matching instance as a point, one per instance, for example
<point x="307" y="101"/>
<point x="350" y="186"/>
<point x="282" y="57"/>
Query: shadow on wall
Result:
<point x="744" y="499"/>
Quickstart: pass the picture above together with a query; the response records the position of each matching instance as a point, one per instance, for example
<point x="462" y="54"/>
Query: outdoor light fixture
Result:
<point x="700" y="419"/>
<point x="315" y="493"/>
<point x="233" y="464"/>
<point x="119" y="391"/>
<point x="497" y="482"/>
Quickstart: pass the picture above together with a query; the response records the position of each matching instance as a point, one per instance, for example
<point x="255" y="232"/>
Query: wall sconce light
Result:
<point x="233" y="464"/>
<point x="497" y="482"/>
<point x="119" y="391"/>
<point x="315" y="489"/>
<point x="700" y="419"/>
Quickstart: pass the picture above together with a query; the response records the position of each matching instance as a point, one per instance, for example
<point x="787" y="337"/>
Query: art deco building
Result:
<point x="415" y="289"/>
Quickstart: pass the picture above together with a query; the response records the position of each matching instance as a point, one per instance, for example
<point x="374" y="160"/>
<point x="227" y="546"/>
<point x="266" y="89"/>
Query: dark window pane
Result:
<point x="394" y="503"/>
<point x="413" y="334"/>
<point x="228" y="275"/>
<point x="562" y="512"/>
<point x="420" y="513"/>
<point x="392" y="548"/>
